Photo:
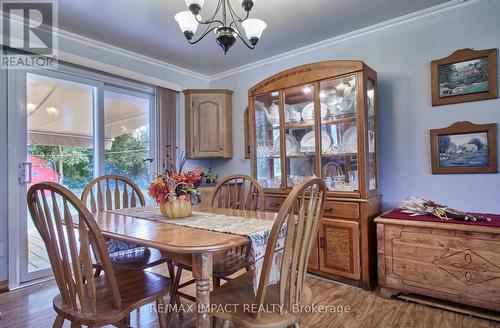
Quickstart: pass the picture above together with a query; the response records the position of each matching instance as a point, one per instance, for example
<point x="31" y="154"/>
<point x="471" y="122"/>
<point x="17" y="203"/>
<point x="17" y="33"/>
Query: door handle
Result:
<point x="23" y="177"/>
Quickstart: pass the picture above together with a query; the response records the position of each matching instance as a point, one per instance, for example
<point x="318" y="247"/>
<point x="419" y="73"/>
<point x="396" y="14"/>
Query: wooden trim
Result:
<point x="461" y="56"/>
<point x="306" y="74"/>
<point x="464" y="128"/>
<point x="246" y="129"/>
<point x="438" y="225"/>
<point x="4" y="286"/>
<point x="225" y="91"/>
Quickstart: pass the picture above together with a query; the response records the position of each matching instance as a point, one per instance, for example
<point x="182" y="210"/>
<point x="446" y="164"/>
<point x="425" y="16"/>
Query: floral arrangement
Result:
<point x="170" y="186"/>
<point x="417" y="206"/>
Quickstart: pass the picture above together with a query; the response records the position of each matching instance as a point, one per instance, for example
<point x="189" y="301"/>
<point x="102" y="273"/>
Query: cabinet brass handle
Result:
<point x="328" y="209"/>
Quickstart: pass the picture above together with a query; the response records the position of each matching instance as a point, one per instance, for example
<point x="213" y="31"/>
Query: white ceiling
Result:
<point x="148" y="26"/>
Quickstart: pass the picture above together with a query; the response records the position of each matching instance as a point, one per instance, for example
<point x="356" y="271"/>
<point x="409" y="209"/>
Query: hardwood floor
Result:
<point x="32" y="307"/>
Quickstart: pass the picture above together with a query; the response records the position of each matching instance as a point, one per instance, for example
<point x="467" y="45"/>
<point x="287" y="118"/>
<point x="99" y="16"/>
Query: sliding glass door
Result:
<point x="127" y="143"/>
<point x="70" y="129"/>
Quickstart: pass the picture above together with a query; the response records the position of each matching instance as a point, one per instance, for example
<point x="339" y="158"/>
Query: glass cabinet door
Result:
<point x="372" y="159"/>
<point x="339" y="135"/>
<point x="300" y="139"/>
<point x="267" y="132"/>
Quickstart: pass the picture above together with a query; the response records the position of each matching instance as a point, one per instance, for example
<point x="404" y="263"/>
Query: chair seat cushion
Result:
<point x="136" y="288"/>
<point x="239" y="292"/>
<point x="114" y="246"/>
<point x="138" y="258"/>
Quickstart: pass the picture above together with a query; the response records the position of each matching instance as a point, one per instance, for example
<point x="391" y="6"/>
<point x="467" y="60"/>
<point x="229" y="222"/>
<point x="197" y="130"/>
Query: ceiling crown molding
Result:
<point x="130" y="54"/>
<point x="107" y="48"/>
<point x="421" y="14"/>
<point x="98" y="45"/>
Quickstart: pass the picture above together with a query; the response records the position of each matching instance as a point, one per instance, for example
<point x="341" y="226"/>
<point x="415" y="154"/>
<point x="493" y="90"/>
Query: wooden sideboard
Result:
<point x="445" y="261"/>
<point x="320" y="119"/>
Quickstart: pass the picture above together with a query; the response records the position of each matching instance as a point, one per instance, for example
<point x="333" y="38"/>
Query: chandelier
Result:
<point x="226" y="27"/>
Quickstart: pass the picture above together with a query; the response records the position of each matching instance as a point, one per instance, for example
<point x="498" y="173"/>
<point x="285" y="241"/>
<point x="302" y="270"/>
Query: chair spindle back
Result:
<point x="54" y="210"/>
<point x="298" y="218"/>
<point x="239" y="192"/>
<point x="110" y="192"/>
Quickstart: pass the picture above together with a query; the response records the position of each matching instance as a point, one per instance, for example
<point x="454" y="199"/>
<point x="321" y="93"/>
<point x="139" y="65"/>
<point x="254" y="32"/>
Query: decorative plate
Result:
<point x="308" y="111"/>
<point x="308" y="144"/>
<point x="349" y="100"/>
<point x="291" y="144"/>
<point x="350" y="139"/>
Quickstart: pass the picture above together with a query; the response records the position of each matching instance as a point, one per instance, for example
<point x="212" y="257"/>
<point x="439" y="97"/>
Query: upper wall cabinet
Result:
<point x="209" y="130"/>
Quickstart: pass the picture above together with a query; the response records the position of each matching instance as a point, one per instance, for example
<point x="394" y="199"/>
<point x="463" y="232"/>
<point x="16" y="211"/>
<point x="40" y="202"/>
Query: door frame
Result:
<point x="16" y="134"/>
<point x="18" y="275"/>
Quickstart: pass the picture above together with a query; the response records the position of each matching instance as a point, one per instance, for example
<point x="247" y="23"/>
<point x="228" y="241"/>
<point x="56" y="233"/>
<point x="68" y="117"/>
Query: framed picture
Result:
<point x="464" y="147"/>
<point x="465" y="75"/>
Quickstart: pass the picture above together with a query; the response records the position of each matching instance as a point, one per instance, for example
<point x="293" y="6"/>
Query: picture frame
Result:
<point x="464" y="147"/>
<point x="465" y="75"/>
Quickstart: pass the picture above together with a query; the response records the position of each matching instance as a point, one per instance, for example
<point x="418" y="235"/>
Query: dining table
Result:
<point x="171" y="238"/>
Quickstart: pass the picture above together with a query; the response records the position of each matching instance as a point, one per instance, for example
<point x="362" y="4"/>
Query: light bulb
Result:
<point x="52" y="111"/>
<point x="31" y="108"/>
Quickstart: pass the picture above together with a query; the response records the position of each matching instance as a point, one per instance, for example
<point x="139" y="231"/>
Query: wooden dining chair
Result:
<point x="298" y="223"/>
<point x="239" y="192"/>
<point x="110" y="192"/>
<point x="84" y="299"/>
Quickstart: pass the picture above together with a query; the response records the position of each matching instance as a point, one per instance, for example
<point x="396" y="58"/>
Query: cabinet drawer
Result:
<point x="341" y="210"/>
<point x="273" y="204"/>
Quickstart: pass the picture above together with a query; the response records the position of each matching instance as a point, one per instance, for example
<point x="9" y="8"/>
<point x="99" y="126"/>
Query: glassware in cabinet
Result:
<point x="339" y="134"/>
<point x="267" y="133"/>
<point x="300" y="139"/>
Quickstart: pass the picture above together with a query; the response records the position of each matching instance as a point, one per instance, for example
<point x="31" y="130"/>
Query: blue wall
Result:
<point x="401" y="55"/>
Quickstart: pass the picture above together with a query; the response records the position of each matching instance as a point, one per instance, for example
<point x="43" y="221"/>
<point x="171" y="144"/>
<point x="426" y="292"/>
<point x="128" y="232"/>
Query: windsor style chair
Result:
<point x="109" y="192"/>
<point x="84" y="299"/>
<point x="300" y="216"/>
<point x="238" y="192"/>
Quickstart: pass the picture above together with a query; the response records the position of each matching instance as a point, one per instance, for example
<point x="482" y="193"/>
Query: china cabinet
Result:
<point x="209" y="129"/>
<point x="321" y="119"/>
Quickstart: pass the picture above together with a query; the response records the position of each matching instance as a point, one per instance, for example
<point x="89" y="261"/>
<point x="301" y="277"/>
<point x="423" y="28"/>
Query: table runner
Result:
<point x="257" y="230"/>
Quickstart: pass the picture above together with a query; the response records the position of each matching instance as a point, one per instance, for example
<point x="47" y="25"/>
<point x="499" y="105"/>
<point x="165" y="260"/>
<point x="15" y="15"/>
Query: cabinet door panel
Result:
<point x="339" y="248"/>
<point x="207" y="112"/>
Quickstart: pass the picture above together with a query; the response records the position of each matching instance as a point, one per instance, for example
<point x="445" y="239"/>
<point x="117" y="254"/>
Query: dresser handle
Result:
<point x="329" y="209"/>
<point x="322" y="242"/>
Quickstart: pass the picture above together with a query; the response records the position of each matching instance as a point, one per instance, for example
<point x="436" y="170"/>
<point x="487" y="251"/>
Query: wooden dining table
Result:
<point x="172" y="238"/>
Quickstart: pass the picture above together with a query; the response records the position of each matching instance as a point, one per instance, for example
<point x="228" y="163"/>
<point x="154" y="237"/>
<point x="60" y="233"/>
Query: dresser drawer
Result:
<point x="273" y="204"/>
<point x="341" y="210"/>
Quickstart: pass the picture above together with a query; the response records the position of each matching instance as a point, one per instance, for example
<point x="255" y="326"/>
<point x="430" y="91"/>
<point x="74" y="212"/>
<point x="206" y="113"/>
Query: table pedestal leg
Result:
<point x="202" y="272"/>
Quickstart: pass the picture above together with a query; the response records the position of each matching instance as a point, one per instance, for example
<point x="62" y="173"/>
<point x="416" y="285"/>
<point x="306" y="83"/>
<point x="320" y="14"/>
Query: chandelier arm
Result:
<point x="208" y="30"/>
<point x="233" y="14"/>
<point x="212" y="19"/>
<point x="237" y="32"/>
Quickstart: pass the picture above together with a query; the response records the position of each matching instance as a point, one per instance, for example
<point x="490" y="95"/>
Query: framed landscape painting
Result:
<point x="465" y="75"/>
<point x="464" y="147"/>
